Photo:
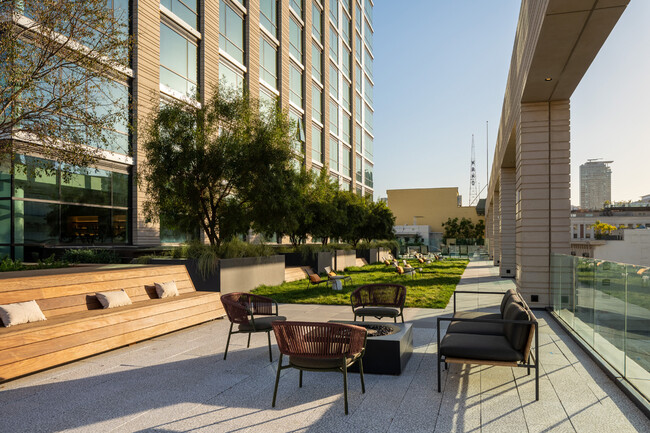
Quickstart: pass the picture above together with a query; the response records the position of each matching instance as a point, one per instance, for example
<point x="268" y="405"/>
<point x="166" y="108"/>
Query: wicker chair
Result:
<point x="320" y="347"/>
<point x="245" y="309"/>
<point x="379" y="300"/>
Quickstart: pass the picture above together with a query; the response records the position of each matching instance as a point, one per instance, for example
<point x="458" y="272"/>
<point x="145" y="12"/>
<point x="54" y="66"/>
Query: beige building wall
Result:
<point x="432" y="205"/>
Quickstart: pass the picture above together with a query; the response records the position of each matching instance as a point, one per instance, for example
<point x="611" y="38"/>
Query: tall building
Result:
<point x="315" y="57"/>
<point x="595" y="184"/>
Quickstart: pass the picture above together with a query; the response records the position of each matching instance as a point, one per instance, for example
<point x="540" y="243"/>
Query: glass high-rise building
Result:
<point x="595" y="184"/>
<point x="314" y="57"/>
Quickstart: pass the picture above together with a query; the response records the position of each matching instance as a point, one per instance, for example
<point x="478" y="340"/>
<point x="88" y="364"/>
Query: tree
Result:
<point x="220" y="166"/>
<point x="297" y="222"/>
<point x="356" y="212"/>
<point x="379" y="222"/>
<point x="452" y="229"/>
<point x="479" y="230"/>
<point x="57" y="60"/>
<point x="601" y="229"/>
<point x="323" y="208"/>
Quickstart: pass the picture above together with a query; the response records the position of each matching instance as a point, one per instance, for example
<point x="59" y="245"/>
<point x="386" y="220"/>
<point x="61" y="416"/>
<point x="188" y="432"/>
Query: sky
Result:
<point x="440" y="74"/>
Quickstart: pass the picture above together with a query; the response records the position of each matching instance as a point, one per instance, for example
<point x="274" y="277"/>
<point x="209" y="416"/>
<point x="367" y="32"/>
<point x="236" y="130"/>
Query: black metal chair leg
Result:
<point x="227" y="342"/>
<point x="438" y="350"/>
<point x="528" y="362"/>
<point x="402" y="317"/>
<point x="268" y="335"/>
<point x="395" y="319"/>
<point x="300" y="381"/>
<point x="345" y="385"/>
<point x="277" y="379"/>
<point x="536" y="362"/>
<point x="249" y="341"/>
<point x="446" y="365"/>
<point x="363" y="384"/>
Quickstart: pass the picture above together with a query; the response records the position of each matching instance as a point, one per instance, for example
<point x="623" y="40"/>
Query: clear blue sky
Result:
<point x="440" y="73"/>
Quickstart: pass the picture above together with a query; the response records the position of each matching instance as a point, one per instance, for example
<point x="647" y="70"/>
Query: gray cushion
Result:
<point x="320" y="363"/>
<point x="261" y="323"/>
<point x="516" y="334"/>
<point x="479" y="347"/>
<point x="377" y="311"/>
<point x="481" y="328"/>
<point x="506" y="298"/>
<point x="476" y="315"/>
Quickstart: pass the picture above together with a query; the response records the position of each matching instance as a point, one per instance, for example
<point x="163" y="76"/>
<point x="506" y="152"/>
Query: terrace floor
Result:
<point x="180" y="383"/>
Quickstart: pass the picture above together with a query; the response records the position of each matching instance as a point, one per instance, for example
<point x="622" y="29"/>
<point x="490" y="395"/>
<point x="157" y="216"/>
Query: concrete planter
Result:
<point x="344" y="259"/>
<point x="324" y="259"/>
<point x="234" y="275"/>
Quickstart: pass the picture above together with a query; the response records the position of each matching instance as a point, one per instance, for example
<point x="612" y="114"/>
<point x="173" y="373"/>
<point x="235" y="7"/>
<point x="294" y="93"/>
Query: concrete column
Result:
<point x="489" y="233"/>
<point x="543" y="195"/>
<point x="507" y="195"/>
<point x="496" y="228"/>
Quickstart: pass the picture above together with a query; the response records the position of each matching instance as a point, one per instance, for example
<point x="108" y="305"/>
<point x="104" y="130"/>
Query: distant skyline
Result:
<point x="440" y="73"/>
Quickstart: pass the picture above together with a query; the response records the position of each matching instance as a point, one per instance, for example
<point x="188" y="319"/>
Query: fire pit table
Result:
<point x="388" y="348"/>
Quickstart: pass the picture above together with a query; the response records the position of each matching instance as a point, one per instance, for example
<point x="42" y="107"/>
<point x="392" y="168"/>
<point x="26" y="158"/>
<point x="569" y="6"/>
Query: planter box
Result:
<point x="297" y="259"/>
<point x="245" y="274"/>
<point x="324" y="259"/>
<point x="344" y="259"/>
<point x="234" y="275"/>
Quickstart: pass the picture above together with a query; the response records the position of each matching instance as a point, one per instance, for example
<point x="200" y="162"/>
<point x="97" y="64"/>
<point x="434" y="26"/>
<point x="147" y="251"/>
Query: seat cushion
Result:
<point x="476" y="315"/>
<point x="261" y="323"/>
<point x="377" y="311"/>
<point x="320" y="363"/>
<point x="479" y="347"/>
<point x="506" y="298"/>
<point x="480" y="328"/>
<point x="517" y="334"/>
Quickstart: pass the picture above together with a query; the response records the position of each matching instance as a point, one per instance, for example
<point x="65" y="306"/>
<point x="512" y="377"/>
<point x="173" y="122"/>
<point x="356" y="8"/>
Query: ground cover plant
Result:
<point x="431" y="288"/>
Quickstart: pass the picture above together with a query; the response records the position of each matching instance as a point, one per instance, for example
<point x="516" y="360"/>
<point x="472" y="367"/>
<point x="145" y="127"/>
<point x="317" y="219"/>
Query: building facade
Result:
<point x="595" y="184"/>
<point x="312" y="57"/>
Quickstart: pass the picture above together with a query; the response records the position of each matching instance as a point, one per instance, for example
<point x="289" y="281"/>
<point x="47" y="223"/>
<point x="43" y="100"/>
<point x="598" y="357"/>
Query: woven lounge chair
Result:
<point x="379" y="300"/>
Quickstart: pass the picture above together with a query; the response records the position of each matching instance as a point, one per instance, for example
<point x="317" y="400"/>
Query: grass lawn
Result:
<point x="431" y="288"/>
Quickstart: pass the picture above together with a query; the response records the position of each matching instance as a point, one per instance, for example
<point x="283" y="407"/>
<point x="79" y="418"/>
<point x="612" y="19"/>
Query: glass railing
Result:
<point x="607" y="304"/>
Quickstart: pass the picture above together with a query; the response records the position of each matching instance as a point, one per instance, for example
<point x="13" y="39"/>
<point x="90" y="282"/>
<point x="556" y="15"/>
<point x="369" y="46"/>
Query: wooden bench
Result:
<point x="77" y="326"/>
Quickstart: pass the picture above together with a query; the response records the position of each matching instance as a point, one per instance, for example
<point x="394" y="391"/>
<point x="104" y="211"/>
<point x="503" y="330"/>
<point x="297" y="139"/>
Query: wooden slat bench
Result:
<point x="77" y="326"/>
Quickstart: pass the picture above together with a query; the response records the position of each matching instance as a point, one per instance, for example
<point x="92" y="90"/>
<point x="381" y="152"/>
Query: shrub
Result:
<point x="8" y="265"/>
<point x="91" y="256"/>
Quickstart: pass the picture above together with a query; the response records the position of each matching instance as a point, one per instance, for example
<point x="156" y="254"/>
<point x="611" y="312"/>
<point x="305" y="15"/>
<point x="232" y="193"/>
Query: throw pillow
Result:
<point x="166" y="290"/>
<point x="21" y="312"/>
<point x="113" y="299"/>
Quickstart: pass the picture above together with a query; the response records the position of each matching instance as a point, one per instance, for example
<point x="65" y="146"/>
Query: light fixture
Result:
<point x="548" y="79"/>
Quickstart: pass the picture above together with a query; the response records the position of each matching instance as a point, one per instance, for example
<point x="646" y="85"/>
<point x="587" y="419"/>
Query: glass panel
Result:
<point x="120" y="226"/>
<point x="231" y="32"/>
<point x="346" y="156"/>
<point x="269" y="15"/>
<point x="357" y="107"/>
<point x="334" y="154"/>
<point x="35" y="222"/>
<point x="230" y="77"/>
<point x="85" y="225"/>
<point x="295" y="39"/>
<point x="609" y="312"/>
<point x="178" y="61"/>
<point x="267" y="100"/>
<point x="357" y="47"/>
<point x="367" y="90"/>
<point x="297" y="6"/>
<point x="345" y="28"/>
<point x="345" y="128"/>
<point x="345" y="95"/>
<point x="316" y="62"/>
<point x="334" y="118"/>
<point x="5" y="222"/>
<point x="358" y="18"/>
<point x="5" y="178"/>
<point x="367" y="118"/>
<point x="334" y="12"/>
<point x="317" y="22"/>
<point x="334" y="81"/>
<point x="268" y="63"/>
<point x="357" y="137"/>
<point x="295" y="84"/>
<point x="367" y="34"/>
<point x="367" y="62"/>
<point x="185" y="10"/>
<point x="367" y="9"/>
<point x="316" y="103"/>
<point x="584" y="308"/>
<point x="345" y="62"/>
<point x="334" y="45"/>
<point x="120" y="189"/>
<point x="367" y="146"/>
<point x="31" y="180"/>
<point x="368" y="175"/>
<point x="316" y="143"/>
<point x="87" y="185"/>
<point x="637" y="338"/>
<point x="359" y="173"/>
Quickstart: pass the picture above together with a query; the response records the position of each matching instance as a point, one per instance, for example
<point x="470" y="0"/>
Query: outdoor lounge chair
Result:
<point x="331" y="275"/>
<point x="252" y="314"/>
<point x="379" y="300"/>
<point x="320" y="347"/>
<point x="315" y="279"/>
<point x="503" y="339"/>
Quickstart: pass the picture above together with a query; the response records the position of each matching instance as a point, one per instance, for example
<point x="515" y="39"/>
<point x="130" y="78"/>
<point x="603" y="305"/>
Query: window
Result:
<point x="367" y="34"/>
<point x="367" y="9"/>
<point x="357" y="20"/>
<point x="358" y="48"/>
<point x="334" y="118"/>
<point x="345" y="62"/>
<point x="229" y="76"/>
<point x="295" y="39"/>
<point x="317" y="144"/>
<point x="267" y="100"/>
<point x="334" y="154"/>
<point x="367" y="141"/>
<point x="357" y="77"/>
<point x="359" y="191"/>
<point x="346" y="4"/>
<point x="334" y="12"/>
<point x="316" y="103"/>
<point x="269" y="15"/>
<point x="316" y="62"/>
<point x="345" y="95"/>
<point x="367" y="117"/>
<point x="299" y="135"/>
<point x="345" y="29"/>
<point x="112" y="98"/>
<point x="334" y="81"/>
<point x="357" y="137"/>
<point x="367" y="89"/>
<point x="268" y="63"/>
<point x="346" y="161"/>
<point x="334" y="45"/>
<point x="345" y="129"/>
<point x="178" y="61"/>
<point x="359" y="171"/>
<point x="231" y="32"/>
<point x="368" y="175"/>
<point x="367" y="62"/>
<point x="317" y="22"/>
<point x="357" y="107"/>
<point x="183" y="9"/>
<point x="295" y="84"/>
<point x="297" y="6"/>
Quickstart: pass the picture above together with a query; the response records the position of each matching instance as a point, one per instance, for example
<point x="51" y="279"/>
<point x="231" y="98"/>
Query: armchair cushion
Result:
<point x="377" y="311"/>
<point x="479" y="347"/>
<point x="480" y="328"/>
<point x="320" y="363"/>
<point x="261" y="323"/>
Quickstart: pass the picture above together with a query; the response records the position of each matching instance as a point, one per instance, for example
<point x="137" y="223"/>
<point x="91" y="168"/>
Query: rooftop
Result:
<point x="180" y="382"/>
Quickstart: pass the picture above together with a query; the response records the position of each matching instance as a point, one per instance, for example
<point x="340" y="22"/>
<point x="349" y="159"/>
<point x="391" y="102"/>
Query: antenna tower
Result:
<point x="473" y="189"/>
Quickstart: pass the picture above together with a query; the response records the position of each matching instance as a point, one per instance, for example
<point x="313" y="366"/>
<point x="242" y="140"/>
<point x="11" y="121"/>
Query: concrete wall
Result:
<point x="323" y="260"/>
<point x="245" y="274"/>
<point x="634" y="249"/>
<point x="434" y="205"/>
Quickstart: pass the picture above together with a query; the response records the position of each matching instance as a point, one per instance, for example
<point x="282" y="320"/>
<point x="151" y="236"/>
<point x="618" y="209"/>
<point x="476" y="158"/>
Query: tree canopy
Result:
<point x="464" y="230"/>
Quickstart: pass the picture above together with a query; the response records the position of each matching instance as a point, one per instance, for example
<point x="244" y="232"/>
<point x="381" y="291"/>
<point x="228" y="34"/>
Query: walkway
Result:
<point x="179" y="383"/>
